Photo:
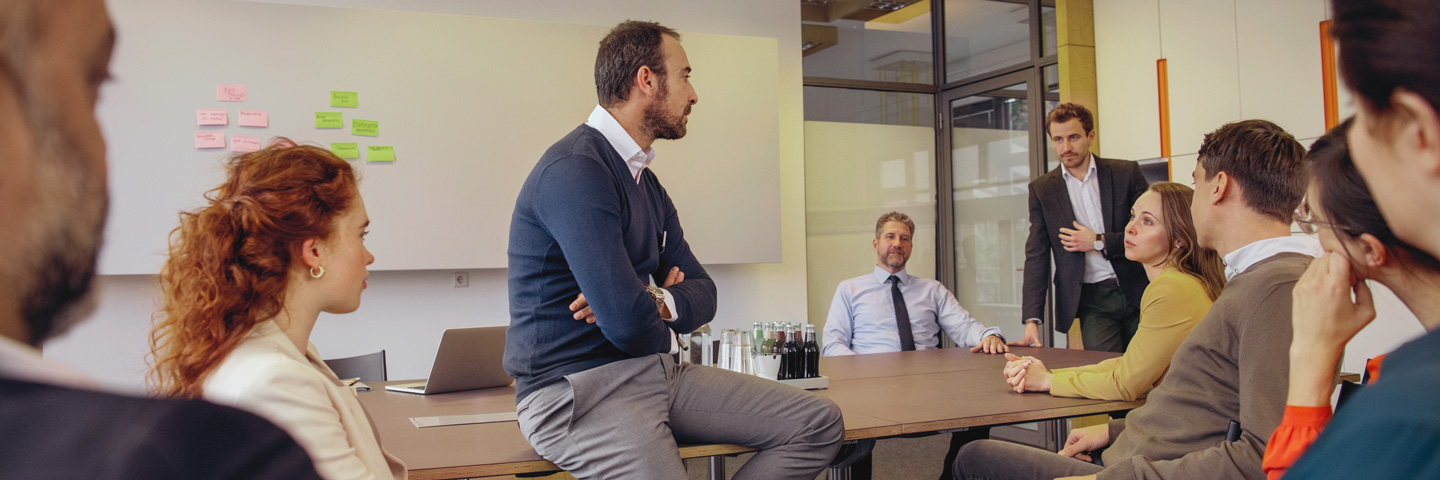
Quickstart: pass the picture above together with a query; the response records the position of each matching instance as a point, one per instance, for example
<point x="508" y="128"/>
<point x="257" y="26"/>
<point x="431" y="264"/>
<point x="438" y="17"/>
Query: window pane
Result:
<point x="885" y="41"/>
<point x="983" y="36"/>
<point x="1047" y="17"/>
<point x="857" y="168"/>
<point x="866" y="106"/>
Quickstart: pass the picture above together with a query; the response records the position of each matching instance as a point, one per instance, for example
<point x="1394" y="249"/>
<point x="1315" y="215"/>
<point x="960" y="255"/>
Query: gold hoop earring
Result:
<point x="317" y="275"/>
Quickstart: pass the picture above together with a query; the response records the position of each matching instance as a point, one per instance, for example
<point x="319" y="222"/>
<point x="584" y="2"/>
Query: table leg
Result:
<point x="717" y="467"/>
<point x="849" y="453"/>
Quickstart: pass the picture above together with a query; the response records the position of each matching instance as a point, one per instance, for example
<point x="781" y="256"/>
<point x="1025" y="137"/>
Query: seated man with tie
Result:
<point x="863" y="315"/>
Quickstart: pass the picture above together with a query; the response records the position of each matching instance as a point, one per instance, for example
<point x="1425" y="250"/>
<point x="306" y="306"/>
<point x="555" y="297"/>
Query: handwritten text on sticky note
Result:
<point x="369" y="128"/>
<point x="230" y="93"/>
<point x="254" y="118"/>
<point x="329" y="120"/>
<point x="211" y="116"/>
<point x="344" y="99"/>
<point x="346" y="150"/>
<point x="244" y="144"/>
<point x="209" y="139"/>
<point x="379" y="153"/>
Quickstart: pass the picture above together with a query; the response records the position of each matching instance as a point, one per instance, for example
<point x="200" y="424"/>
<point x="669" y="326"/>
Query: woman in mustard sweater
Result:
<point x="1184" y="281"/>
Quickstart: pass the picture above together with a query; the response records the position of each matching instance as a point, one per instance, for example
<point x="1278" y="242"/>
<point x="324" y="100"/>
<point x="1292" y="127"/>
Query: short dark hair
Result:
<point x="1347" y="202"/>
<point x="1263" y="159"/>
<point x="1387" y="45"/>
<point x="1070" y="111"/>
<point x="630" y="45"/>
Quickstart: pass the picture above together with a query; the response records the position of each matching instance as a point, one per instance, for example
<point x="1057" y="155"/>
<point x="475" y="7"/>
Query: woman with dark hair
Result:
<point x="248" y="275"/>
<point x="1184" y="281"/>
<point x="1359" y="246"/>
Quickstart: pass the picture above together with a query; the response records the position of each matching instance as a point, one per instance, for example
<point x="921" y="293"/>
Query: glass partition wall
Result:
<point x="933" y="108"/>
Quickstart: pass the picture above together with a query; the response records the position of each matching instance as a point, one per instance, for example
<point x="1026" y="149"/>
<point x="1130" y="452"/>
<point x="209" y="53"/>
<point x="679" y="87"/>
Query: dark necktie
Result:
<point x="902" y="315"/>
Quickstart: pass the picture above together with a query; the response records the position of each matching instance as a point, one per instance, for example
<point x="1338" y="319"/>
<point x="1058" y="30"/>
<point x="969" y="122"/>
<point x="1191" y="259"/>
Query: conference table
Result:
<point x="881" y="395"/>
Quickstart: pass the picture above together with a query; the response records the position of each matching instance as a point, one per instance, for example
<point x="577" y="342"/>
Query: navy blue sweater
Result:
<point x="582" y="224"/>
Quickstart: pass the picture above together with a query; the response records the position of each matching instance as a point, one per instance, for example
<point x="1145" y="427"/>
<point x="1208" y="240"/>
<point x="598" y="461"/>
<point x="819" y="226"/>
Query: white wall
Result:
<point x="1228" y="60"/>
<point x="405" y="312"/>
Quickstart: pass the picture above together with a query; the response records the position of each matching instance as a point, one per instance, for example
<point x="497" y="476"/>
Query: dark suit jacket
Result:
<point x="56" y="432"/>
<point x="1121" y="182"/>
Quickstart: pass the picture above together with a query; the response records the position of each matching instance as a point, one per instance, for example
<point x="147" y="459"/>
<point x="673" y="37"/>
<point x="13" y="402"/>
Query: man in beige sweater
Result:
<point x="1234" y="365"/>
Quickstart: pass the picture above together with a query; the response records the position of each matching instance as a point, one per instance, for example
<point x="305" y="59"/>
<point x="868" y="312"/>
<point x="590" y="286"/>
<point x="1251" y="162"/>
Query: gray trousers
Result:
<point x="1107" y="321"/>
<point x="997" y="460"/>
<point x="625" y="419"/>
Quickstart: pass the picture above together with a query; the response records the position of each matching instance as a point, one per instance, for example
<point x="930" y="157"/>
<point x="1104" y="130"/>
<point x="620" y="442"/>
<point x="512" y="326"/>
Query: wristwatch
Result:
<point x="658" y="295"/>
<point x="1100" y="242"/>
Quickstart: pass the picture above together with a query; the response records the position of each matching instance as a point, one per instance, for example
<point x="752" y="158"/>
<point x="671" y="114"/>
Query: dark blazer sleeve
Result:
<point x="1037" y="260"/>
<point x="1135" y="185"/>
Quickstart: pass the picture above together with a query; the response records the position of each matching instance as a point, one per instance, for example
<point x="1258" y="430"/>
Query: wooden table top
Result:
<point x="881" y="395"/>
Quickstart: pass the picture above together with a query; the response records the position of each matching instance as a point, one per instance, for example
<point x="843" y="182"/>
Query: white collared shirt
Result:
<point x="19" y="361"/>
<point x="862" y="316"/>
<point x="638" y="160"/>
<point x="1240" y="260"/>
<point x="635" y="158"/>
<point x="1085" y="199"/>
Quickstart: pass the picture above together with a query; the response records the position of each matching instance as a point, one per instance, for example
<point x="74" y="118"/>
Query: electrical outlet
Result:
<point x="460" y="280"/>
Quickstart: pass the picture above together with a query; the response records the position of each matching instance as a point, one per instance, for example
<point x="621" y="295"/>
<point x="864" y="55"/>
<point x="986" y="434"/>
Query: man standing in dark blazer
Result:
<point x="1078" y="212"/>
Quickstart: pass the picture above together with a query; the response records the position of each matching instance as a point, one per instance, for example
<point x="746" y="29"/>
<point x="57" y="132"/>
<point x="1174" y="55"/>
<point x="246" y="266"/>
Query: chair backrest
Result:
<point x="370" y="368"/>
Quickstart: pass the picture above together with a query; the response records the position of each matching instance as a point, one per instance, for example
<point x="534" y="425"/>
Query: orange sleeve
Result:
<point x="1296" y="432"/>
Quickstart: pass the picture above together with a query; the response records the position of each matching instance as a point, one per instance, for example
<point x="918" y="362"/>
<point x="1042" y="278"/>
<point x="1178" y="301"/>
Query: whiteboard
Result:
<point x="468" y="103"/>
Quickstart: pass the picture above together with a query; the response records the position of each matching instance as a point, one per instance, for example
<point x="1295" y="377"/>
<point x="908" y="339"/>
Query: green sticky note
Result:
<point x="378" y="153"/>
<point x="346" y="150"/>
<point x="369" y="128"/>
<point x="329" y="120"/>
<point x="344" y="99"/>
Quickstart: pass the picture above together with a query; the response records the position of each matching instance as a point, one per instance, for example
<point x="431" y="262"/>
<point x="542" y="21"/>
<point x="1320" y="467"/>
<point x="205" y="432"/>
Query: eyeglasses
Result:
<point x="1305" y="219"/>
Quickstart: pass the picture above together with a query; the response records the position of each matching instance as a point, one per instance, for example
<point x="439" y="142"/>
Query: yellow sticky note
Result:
<point x="369" y="128"/>
<point x="378" y="153"/>
<point x="329" y="120"/>
<point x="346" y="150"/>
<point x="344" y="99"/>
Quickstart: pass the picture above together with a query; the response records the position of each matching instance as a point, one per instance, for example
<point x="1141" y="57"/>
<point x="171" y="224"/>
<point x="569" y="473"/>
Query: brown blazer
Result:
<point x="1121" y="182"/>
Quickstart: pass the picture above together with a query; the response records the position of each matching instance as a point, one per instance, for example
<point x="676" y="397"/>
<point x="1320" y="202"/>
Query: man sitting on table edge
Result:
<point x="1233" y="367"/>
<point x="863" y="316"/>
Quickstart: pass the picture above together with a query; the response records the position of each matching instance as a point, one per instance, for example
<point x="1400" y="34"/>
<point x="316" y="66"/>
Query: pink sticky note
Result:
<point x="230" y="93"/>
<point x="244" y="144"/>
<point x="212" y="116"/>
<point x="254" y="118"/>
<point x="209" y="139"/>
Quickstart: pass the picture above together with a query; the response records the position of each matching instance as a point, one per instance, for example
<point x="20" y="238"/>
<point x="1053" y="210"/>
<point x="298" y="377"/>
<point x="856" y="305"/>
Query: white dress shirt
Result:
<point x="295" y="390"/>
<point x="19" y="361"/>
<point x="638" y="160"/>
<point x="1243" y="258"/>
<point x="1085" y="199"/>
<point x="862" y="316"/>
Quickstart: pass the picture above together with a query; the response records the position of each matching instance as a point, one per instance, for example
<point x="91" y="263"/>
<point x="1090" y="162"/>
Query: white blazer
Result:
<point x="268" y="376"/>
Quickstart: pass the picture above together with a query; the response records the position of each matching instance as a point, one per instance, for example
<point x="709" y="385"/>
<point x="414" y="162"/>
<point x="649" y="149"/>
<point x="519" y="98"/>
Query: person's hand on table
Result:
<point x="991" y="344"/>
<point x="1078" y="239"/>
<point x="1027" y="374"/>
<point x="582" y="307"/>
<point x="1086" y="439"/>
<point x="1031" y="338"/>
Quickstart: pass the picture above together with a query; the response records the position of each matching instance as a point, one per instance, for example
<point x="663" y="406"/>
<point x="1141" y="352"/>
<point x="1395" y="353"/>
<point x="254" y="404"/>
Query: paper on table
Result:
<point x="379" y="153"/>
<point x="447" y="420"/>
<point x="244" y="144"/>
<point x="209" y="139"/>
<point x="346" y="150"/>
<point x="329" y="120"/>
<point x="344" y="99"/>
<point x="369" y="128"/>
<point x="212" y="116"/>
<point x="254" y="118"/>
<point x="230" y="93"/>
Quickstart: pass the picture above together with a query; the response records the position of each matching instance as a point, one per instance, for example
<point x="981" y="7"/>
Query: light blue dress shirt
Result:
<point x="862" y="316"/>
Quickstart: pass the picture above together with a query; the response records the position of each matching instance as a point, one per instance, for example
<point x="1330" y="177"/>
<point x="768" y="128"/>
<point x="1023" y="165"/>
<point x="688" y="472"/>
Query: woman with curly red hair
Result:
<point x="248" y="275"/>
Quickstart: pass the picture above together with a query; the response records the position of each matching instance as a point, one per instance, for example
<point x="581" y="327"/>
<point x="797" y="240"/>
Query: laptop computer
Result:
<point x="468" y="358"/>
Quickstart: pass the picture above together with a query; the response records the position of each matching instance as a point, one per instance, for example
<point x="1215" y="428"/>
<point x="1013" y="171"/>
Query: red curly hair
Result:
<point x="230" y="260"/>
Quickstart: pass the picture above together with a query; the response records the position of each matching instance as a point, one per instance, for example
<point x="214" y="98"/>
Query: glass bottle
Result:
<point x="779" y="349"/>
<point x="797" y="354"/>
<point x="812" y="353"/>
<point x="768" y="346"/>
